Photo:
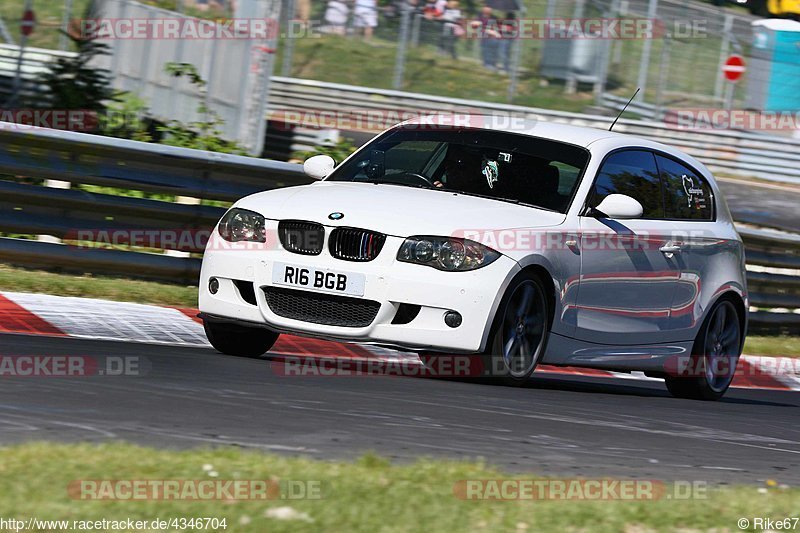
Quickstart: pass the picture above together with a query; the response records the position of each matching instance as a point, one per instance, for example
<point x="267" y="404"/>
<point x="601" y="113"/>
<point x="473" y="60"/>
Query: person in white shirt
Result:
<point x="336" y="14"/>
<point x="451" y="29"/>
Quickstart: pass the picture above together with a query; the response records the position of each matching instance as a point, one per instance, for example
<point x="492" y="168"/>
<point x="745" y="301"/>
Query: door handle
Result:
<point x="670" y="249"/>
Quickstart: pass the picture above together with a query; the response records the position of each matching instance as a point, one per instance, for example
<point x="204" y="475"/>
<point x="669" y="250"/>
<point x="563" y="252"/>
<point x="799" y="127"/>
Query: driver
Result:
<point x="462" y="169"/>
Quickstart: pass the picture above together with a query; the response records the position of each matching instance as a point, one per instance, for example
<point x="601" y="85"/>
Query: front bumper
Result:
<point x="389" y="282"/>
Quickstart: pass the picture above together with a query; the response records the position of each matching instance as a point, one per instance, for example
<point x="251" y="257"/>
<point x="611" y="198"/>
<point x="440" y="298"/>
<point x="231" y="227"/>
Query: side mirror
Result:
<point x="319" y="166"/>
<point x="620" y="206"/>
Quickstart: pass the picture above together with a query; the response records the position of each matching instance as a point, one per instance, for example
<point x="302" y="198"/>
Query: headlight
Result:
<point x="444" y="253"/>
<point x="242" y="225"/>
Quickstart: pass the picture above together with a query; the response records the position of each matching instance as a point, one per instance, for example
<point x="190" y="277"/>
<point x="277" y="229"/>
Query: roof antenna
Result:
<point x="624" y="108"/>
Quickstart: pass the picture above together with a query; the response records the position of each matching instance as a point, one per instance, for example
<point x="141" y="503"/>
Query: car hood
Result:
<point x="396" y="210"/>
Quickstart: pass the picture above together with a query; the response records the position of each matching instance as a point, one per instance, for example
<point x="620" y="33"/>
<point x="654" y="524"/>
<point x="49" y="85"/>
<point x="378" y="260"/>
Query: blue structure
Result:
<point x="773" y="74"/>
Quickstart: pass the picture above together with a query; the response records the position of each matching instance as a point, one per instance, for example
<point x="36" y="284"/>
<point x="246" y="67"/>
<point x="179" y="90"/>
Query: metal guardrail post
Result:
<point x="65" y="18"/>
<point x="400" y="60"/>
<point x="55" y="184"/>
<point x="663" y="75"/>
<point x="12" y="101"/>
<point x="724" y="51"/>
<point x="644" y="63"/>
<point x="288" y="40"/>
<point x="605" y="57"/>
<point x="4" y="33"/>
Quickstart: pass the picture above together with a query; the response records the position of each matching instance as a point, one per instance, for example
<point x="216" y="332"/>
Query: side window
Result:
<point x="687" y="196"/>
<point x="633" y="173"/>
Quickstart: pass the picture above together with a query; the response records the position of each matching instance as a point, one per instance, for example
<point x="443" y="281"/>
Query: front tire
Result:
<point x="714" y="356"/>
<point x="241" y="341"/>
<point x="519" y="334"/>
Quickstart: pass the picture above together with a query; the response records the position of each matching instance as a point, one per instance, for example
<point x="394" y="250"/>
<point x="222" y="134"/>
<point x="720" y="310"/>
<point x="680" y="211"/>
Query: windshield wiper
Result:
<point x="509" y="200"/>
<point x="390" y="182"/>
<point x="487" y="196"/>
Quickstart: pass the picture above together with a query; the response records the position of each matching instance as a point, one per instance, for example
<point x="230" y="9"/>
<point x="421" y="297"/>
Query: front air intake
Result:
<point x="301" y="237"/>
<point x="353" y="244"/>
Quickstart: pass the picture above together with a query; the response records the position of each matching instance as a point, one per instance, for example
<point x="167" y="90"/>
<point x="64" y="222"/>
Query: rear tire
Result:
<point x="715" y="354"/>
<point x="519" y="332"/>
<point x="241" y="341"/>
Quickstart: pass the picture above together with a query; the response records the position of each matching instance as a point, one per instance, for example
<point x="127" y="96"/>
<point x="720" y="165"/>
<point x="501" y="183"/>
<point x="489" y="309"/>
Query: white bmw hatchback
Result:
<point x="541" y="243"/>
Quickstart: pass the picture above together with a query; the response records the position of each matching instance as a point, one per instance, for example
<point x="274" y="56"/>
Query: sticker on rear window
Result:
<point x="490" y="172"/>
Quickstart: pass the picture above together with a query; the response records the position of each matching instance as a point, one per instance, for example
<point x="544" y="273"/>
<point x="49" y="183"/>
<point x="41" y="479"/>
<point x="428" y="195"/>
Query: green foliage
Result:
<point x="203" y="134"/>
<point x="338" y="150"/>
<point x="126" y="118"/>
<point x="116" y="191"/>
<point x="73" y="82"/>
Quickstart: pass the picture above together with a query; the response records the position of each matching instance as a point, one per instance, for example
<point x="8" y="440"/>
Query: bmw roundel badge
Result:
<point x="336" y="216"/>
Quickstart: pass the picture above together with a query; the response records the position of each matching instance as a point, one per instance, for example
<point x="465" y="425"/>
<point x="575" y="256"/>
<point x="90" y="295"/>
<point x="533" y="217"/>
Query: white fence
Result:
<point x="237" y="72"/>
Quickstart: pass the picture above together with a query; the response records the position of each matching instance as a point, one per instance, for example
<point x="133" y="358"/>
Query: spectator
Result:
<point x="489" y="36"/>
<point x="451" y="28"/>
<point x="336" y="14"/>
<point x="429" y="10"/>
<point x="366" y="16"/>
<point x="508" y="28"/>
<point x="302" y="10"/>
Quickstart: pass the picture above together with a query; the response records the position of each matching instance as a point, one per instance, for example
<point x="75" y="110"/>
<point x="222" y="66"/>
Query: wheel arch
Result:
<point x="738" y="301"/>
<point x="541" y="271"/>
<point x="550" y="293"/>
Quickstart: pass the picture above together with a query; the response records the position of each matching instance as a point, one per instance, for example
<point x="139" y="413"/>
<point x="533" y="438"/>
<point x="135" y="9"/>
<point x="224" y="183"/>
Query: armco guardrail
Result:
<point x="730" y="152"/>
<point x="775" y="293"/>
<point x="76" y="214"/>
<point x="723" y="151"/>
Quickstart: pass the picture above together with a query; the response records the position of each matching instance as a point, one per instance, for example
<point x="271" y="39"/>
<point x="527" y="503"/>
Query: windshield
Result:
<point x="493" y="164"/>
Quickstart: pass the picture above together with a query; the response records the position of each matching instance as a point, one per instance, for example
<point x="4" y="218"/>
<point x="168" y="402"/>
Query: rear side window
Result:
<point x="633" y="173"/>
<point x="687" y="196"/>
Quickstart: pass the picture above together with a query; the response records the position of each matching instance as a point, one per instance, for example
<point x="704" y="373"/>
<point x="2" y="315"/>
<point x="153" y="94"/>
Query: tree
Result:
<point x="74" y="82"/>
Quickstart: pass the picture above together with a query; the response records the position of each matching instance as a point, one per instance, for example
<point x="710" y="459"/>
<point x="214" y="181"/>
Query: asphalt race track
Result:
<point x="768" y="205"/>
<point x="557" y="425"/>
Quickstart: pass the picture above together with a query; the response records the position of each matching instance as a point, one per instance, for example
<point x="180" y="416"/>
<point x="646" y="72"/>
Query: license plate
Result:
<point x="331" y="281"/>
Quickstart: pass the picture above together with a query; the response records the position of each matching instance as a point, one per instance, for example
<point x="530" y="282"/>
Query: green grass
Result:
<point x="368" y="495"/>
<point x="778" y="346"/>
<point x="108" y="288"/>
<point x="49" y="15"/>
<point x="48" y="19"/>
<point x="350" y="61"/>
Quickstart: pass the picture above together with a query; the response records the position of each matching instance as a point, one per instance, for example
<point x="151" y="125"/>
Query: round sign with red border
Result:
<point x="734" y="67"/>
